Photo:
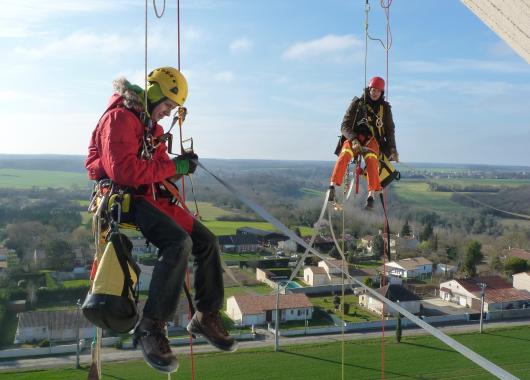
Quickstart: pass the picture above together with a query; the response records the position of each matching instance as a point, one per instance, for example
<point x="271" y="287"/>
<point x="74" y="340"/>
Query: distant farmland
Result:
<point x="26" y="179"/>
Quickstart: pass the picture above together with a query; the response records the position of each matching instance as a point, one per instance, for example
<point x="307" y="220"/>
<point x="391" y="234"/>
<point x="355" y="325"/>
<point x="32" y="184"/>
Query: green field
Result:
<point x="229" y="227"/>
<point x="417" y="194"/>
<point x="481" y="182"/>
<point x="25" y="179"/>
<point x="356" y="313"/>
<point x="416" y="357"/>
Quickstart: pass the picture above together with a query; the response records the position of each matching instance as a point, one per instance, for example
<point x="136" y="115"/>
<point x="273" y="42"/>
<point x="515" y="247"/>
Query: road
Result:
<point x="113" y="355"/>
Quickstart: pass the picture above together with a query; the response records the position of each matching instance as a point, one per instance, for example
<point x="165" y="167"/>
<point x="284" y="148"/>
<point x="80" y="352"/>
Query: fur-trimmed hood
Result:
<point x="132" y="95"/>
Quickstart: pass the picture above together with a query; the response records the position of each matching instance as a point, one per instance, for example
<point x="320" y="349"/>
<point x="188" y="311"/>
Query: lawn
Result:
<point x="25" y="179"/>
<point x="229" y="227"/>
<point x="241" y="257"/>
<point x="355" y="314"/>
<point x="237" y="290"/>
<point x="416" y="357"/>
<point x="75" y="283"/>
<point x="416" y="193"/>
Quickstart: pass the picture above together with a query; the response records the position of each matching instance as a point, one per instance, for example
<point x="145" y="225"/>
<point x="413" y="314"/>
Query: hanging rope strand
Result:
<point x="156" y="9"/>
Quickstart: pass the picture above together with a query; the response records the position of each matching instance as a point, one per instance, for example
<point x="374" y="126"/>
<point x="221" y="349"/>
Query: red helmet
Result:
<point x="378" y="83"/>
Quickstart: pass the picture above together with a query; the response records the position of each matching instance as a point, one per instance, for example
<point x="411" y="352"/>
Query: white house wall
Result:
<point x="521" y="281"/>
<point x="233" y="310"/>
<point x="458" y="295"/>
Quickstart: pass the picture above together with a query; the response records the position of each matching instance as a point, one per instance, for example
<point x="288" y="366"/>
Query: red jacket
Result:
<point x="113" y="153"/>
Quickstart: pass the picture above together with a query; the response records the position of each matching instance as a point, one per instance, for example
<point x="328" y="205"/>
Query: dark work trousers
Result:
<point x="174" y="247"/>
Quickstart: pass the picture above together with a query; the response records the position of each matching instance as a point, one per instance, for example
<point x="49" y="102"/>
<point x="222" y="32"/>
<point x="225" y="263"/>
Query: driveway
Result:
<point x="437" y="306"/>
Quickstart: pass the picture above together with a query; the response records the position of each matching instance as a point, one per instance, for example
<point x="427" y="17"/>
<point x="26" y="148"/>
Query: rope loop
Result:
<point x="156" y="9"/>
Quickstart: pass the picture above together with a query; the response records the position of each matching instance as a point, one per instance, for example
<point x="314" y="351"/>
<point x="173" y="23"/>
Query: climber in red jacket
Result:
<point x="125" y="149"/>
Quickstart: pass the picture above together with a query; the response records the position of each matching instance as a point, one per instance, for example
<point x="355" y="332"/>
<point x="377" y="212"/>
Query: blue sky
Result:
<point x="268" y="79"/>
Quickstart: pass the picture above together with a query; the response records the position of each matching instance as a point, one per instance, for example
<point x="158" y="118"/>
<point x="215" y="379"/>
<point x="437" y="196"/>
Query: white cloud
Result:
<point x="241" y="45"/>
<point x="325" y="45"/>
<point x="23" y="18"/>
<point x="224" y="76"/>
<point x="81" y="44"/>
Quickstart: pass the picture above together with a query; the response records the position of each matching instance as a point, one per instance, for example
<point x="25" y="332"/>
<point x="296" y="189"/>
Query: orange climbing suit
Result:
<point x="371" y="159"/>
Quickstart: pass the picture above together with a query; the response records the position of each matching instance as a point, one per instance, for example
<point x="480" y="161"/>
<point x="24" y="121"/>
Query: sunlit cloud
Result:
<point x="81" y="44"/>
<point x="23" y="18"/>
<point x="224" y="76"/>
<point x="326" y="45"/>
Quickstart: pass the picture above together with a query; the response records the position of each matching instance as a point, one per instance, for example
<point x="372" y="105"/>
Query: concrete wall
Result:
<point x="508" y="314"/>
<point x="53" y="350"/>
<point x="321" y="289"/>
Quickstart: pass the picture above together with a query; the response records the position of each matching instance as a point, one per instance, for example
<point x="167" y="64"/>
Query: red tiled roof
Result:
<point x="506" y="295"/>
<point x="517" y="252"/>
<point x="447" y="290"/>
<point x="492" y="282"/>
<point x="250" y="304"/>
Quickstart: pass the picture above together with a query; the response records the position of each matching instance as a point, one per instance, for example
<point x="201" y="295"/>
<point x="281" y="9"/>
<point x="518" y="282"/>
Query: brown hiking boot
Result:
<point x="210" y="326"/>
<point x="151" y="334"/>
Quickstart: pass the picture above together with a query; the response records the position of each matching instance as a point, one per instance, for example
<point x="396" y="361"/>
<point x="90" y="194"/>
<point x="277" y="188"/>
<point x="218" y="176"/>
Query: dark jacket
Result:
<point x="353" y="125"/>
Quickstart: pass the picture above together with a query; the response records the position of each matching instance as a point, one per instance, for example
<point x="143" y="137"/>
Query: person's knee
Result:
<point x="177" y="251"/>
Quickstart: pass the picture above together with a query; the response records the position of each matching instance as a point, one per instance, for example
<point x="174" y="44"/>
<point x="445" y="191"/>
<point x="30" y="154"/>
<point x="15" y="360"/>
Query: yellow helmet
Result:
<point x="171" y="82"/>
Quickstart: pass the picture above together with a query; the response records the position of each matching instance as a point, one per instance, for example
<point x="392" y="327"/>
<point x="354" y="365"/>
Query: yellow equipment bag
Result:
<point x="112" y="299"/>
<point x="387" y="171"/>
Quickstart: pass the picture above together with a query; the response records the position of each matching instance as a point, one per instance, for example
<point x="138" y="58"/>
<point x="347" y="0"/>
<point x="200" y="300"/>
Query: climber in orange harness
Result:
<point x="367" y="130"/>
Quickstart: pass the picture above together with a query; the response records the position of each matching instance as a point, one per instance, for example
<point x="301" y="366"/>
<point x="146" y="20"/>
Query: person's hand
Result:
<point x="394" y="155"/>
<point x="355" y="147"/>
<point x="186" y="163"/>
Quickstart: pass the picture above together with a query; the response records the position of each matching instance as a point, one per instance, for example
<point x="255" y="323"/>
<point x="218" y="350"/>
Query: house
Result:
<point x="315" y="276"/>
<point x="332" y="266"/>
<point x="141" y="248"/>
<point x="181" y="317"/>
<point x="446" y="270"/>
<point x="498" y="295"/>
<point x="366" y="241"/>
<point x="522" y="281"/>
<point x="247" y="310"/>
<point x="145" y="276"/>
<point x="415" y="267"/>
<point x="272" y="276"/>
<point x="516" y="252"/>
<point x="53" y="325"/>
<point x="263" y="237"/>
<point x="288" y="245"/>
<point x="245" y="242"/>
<point x="408" y="242"/>
<point x="327" y="272"/>
<point x="395" y="293"/>
<point x="227" y="243"/>
<point x="321" y="243"/>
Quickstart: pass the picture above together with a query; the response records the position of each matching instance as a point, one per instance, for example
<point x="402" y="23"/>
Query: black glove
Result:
<point x="189" y="155"/>
<point x="193" y="164"/>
